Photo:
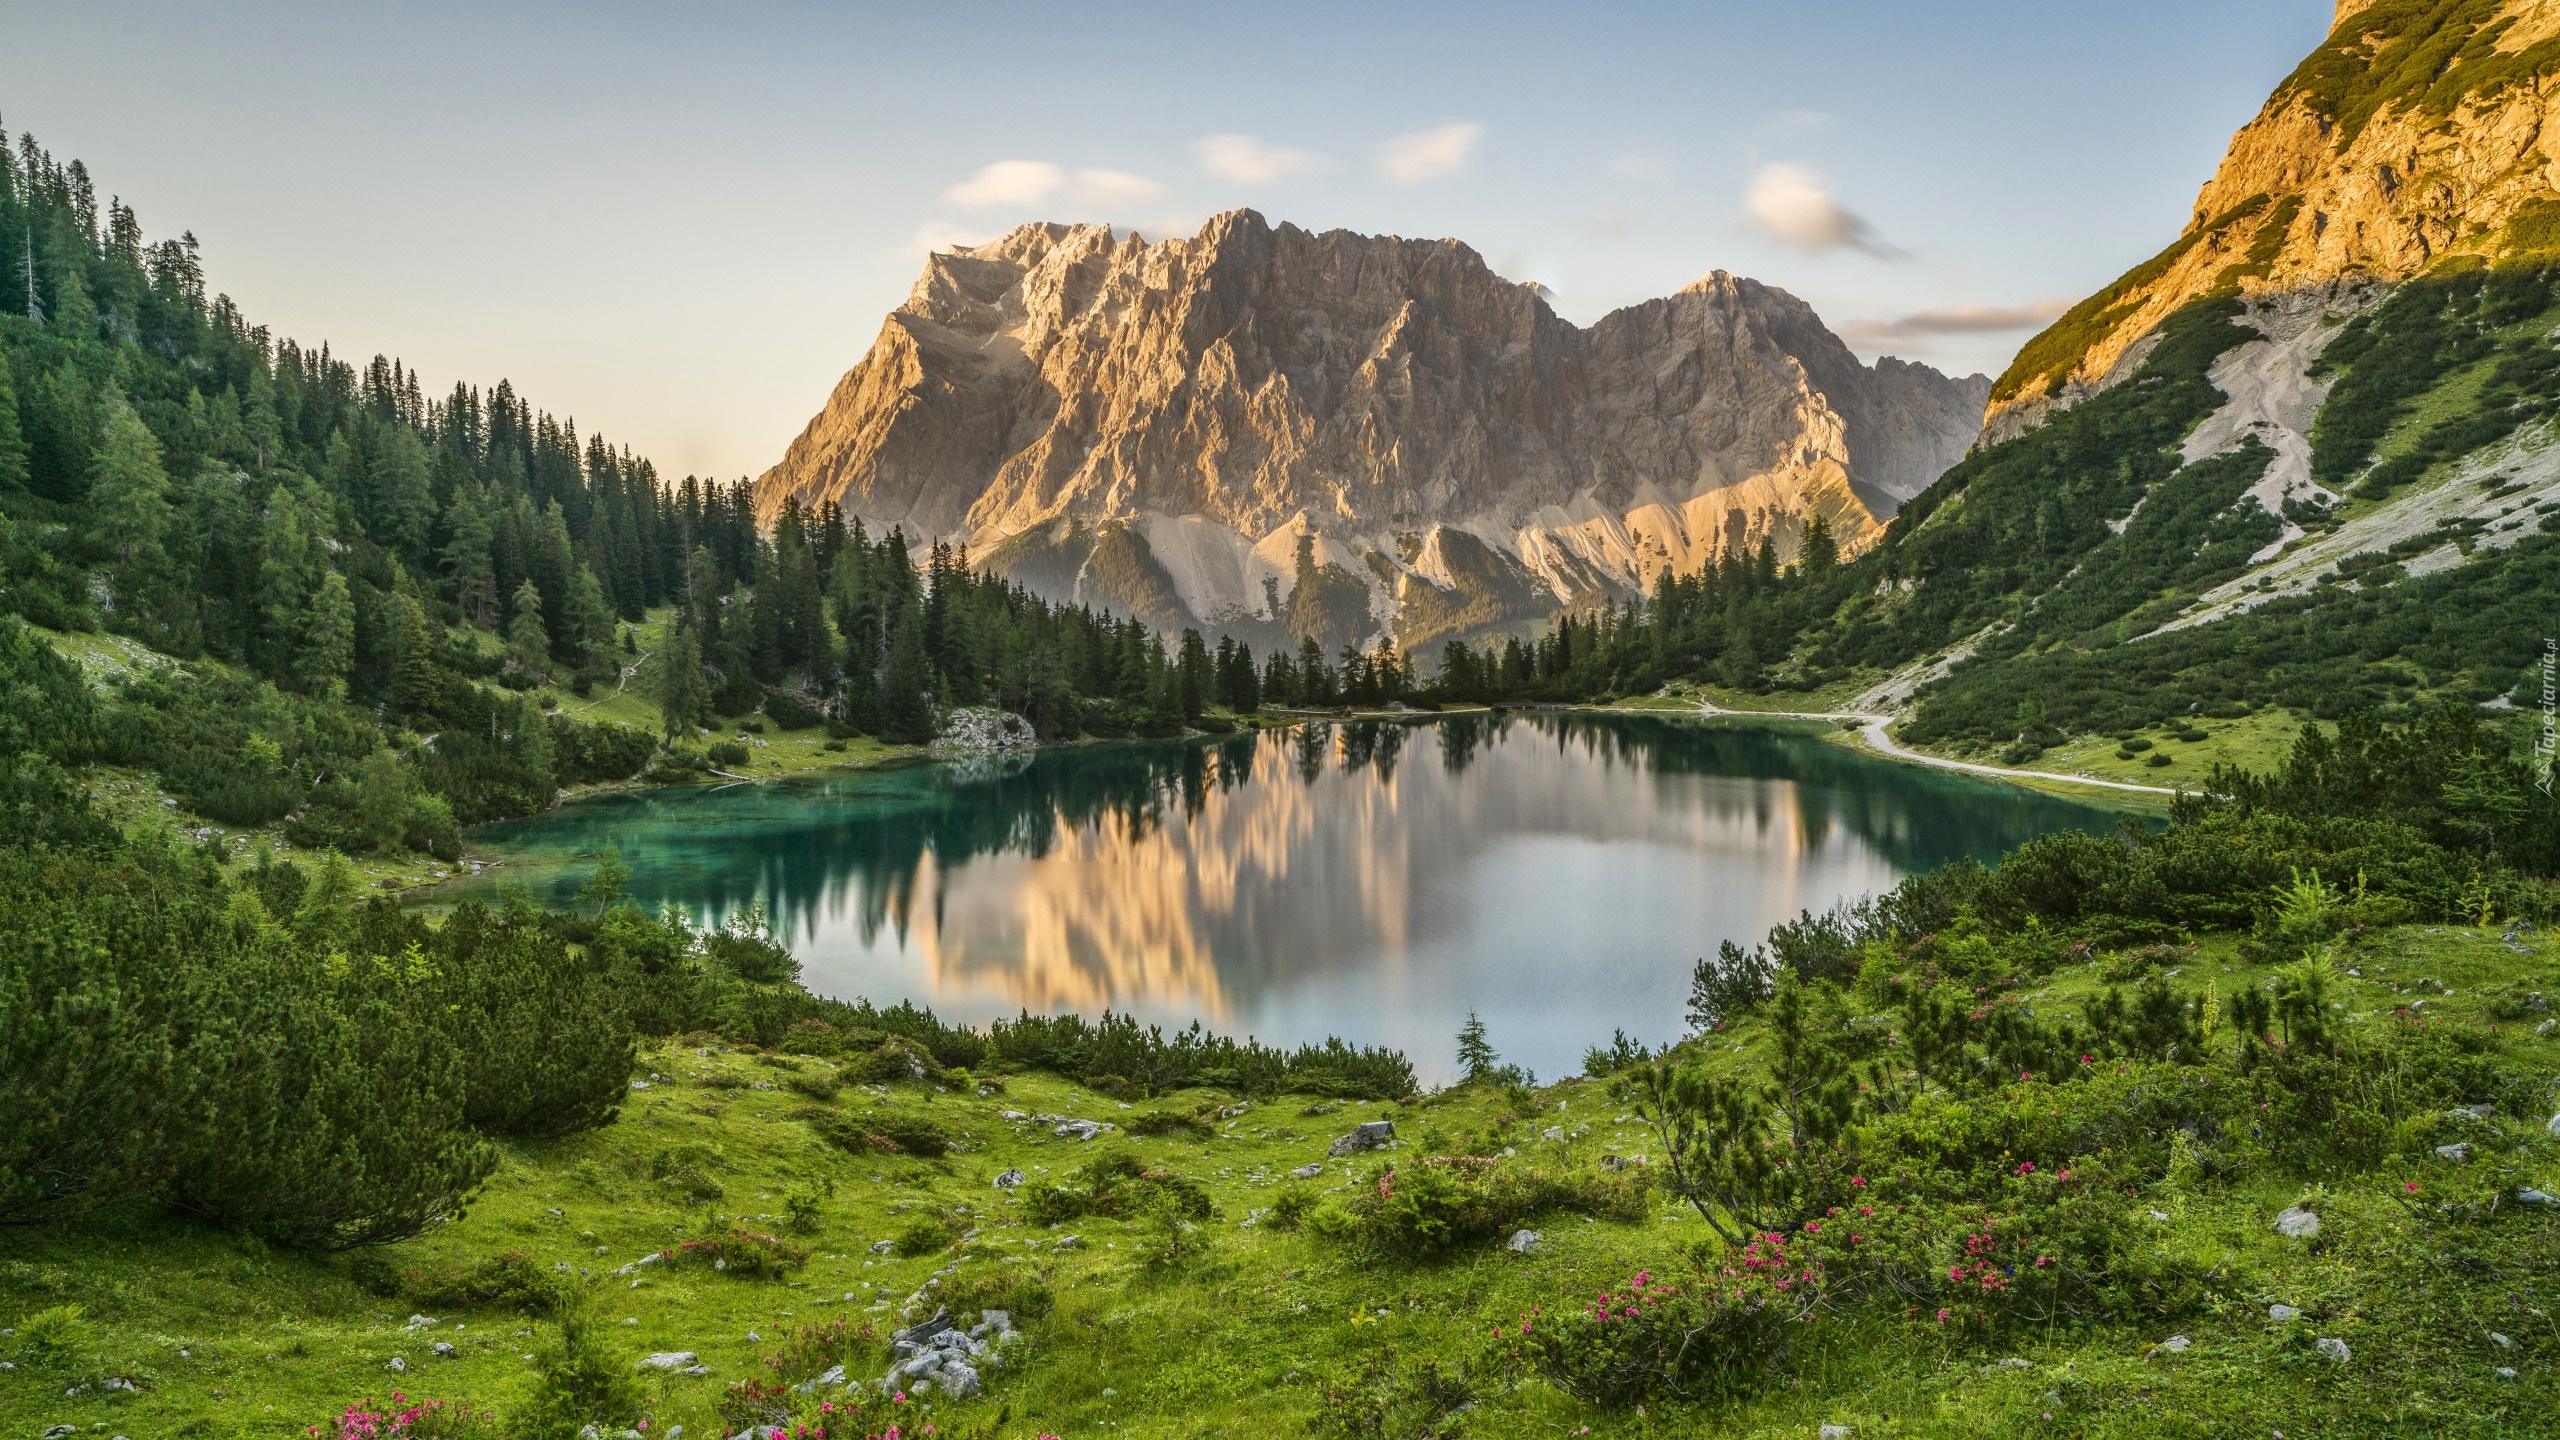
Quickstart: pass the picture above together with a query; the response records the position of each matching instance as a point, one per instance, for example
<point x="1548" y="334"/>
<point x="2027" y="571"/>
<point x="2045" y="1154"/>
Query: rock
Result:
<point x="417" y="1322"/>
<point x="1064" y="384"/>
<point x="1014" y="1115"/>
<point x="2160" y="1215"/>
<point x="2297" y="1223"/>
<point x="1009" y="1180"/>
<point x="2506" y="1372"/>
<point x="2458" y="1152"/>
<point x="923" y="1332"/>
<point x="667" y="1360"/>
<point x="2174" y="1345"/>
<point x="959" y="1380"/>
<point x="2334" y="1348"/>
<point x="59" y="1432"/>
<point x="2531" y="1196"/>
<point x="639" y="1084"/>
<point x="1078" y="1129"/>
<point x="2283" y="1314"/>
<point x="2501" y="1341"/>
<point x="1068" y="1242"/>
<point x="1835" y="1432"/>
<point x="443" y="1348"/>
<point x="1522" y="1242"/>
<point x="883" y="1247"/>
<point x="995" y="1322"/>
<point x="1307" y="1172"/>
<point x="984" y="728"/>
<point x="1368" y="1137"/>
<point x="399" y="1366"/>
<point x="1552" y="1132"/>
<point x="694" y="1370"/>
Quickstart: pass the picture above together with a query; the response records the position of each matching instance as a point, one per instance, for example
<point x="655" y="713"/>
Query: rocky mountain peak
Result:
<point x="2414" y="135"/>
<point x="1153" y="424"/>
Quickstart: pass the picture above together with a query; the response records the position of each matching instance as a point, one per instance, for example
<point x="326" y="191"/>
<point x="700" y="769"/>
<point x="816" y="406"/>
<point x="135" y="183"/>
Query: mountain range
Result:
<point x="1270" y="432"/>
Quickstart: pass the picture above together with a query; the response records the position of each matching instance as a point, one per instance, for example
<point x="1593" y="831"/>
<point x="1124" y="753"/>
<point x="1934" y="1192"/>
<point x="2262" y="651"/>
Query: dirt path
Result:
<point x="1872" y="727"/>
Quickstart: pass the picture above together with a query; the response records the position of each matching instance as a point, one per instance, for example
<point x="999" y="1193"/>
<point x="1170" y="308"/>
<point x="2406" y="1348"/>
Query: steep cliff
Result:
<point x="1158" y="426"/>
<point x="2418" y="130"/>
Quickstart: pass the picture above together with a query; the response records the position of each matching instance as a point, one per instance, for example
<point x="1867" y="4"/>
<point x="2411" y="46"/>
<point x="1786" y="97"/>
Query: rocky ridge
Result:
<point x="2415" y="132"/>
<point x="1193" y="429"/>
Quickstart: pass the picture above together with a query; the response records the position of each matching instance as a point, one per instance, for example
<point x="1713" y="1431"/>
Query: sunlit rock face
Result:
<point x="1185" y="429"/>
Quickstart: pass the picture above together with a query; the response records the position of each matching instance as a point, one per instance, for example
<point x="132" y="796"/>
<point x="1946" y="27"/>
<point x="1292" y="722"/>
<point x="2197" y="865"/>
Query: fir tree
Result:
<point x="328" y="638"/>
<point x="905" y="684"/>
<point x="1191" y="677"/>
<point x="466" y="559"/>
<point x="683" y="697"/>
<point x="528" y="641"/>
<point x="1476" y="1058"/>
<point x="13" y="443"/>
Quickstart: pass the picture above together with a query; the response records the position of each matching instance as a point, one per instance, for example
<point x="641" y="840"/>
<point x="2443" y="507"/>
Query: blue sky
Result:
<point x="681" y="223"/>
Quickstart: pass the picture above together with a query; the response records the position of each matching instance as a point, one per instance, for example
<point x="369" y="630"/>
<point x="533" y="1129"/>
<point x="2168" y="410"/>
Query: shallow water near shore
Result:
<point x="1556" y="874"/>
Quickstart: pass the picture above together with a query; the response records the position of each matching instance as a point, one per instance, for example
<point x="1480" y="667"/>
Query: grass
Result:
<point x="2257" y="742"/>
<point x="226" y="1338"/>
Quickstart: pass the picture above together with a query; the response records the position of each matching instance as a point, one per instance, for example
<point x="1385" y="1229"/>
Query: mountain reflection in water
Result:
<point x="1376" y="880"/>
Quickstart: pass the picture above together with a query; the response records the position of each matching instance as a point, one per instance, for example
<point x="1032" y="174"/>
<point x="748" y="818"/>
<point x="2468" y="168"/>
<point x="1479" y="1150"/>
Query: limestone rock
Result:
<point x="2297" y="1223"/>
<point x="1368" y="1137"/>
<point x="1164" y="427"/>
<point x="2313" y="203"/>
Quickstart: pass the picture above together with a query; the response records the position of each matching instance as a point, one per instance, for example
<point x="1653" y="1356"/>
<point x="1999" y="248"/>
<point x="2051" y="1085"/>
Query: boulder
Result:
<point x="922" y="1333"/>
<point x="2174" y="1345"/>
<point x="2459" y="1152"/>
<point x="959" y="1380"/>
<point x="1368" y="1137"/>
<point x="441" y="1347"/>
<point x="2333" y="1348"/>
<point x="2297" y="1223"/>
<point x="1522" y="1242"/>
<point x="1009" y="1180"/>
<point x="2283" y="1314"/>
<point x="1307" y="1172"/>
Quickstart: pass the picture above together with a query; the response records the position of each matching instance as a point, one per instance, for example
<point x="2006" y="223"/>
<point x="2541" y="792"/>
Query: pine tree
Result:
<point x="528" y="641"/>
<point x="905" y="702"/>
<point x="13" y="443"/>
<point x="328" y="638"/>
<point x="683" y="696"/>
<point x="590" y="617"/>
<point x="467" y="559"/>
<point x="413" y="667"/>
<point x="1191" y="677"/>
<point x="128" y="493"/>
<point x="1820" y="551"/>
<point x="1476" y="1058"/>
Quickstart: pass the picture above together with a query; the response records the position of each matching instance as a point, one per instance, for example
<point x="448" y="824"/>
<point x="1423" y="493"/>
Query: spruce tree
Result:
<point x="1476" y="1058"/>
<point x="328" y="638"/>
<point x="413" y="667"/>
<point x="467" y="559"/>
<point x="905" y="702"/>
<point x="528" y="641"/>
<point x="1191" y="677"/>
<point x="683" y="696"/>
<point x="13" y="443"/>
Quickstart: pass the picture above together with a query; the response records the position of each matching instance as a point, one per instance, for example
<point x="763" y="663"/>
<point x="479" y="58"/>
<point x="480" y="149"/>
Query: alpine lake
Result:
<point x="1556" y="873"/>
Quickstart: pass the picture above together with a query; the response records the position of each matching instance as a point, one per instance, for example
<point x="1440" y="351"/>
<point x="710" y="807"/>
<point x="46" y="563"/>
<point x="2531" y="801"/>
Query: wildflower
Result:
<point x="2027" y="1167"/>
<point x="2409" y="1187"/>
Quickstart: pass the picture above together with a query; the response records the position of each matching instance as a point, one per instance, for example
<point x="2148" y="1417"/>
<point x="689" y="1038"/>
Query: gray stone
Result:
<point x="1010" y="1179"/>
<point x="2297" y="1223"/>
<point x="1835" y="1432"/>
<point x="2506" y="1372"/>
<point x="2531" y="1196"/>
<point x="1522" y="1242"/>
<point x="2459" y="1152"/>
<point x="1368" y="1137"/>
<point x="1068" y="1242"/>
<point x="922" y="1333"/>
<point x="2501" y="1341"/>
<point x="2334" y="1348"/>
<point x="2283" y="1314"/>
<point x="2552" y="1125"/>
<point x="1014" y="1115"/>
<point x="1078" y="1129"/>
<point x="883" y="1247"/>
<point x="443" y="1347"/>
<point x="57" y="1432"/>
<point x="992" y="1322"/>
<point x="1307" y="1172"/>
<point x="2174" y="1345"/>
<point x="696" y="1371"/>
<point x="959" y="1380"/>
<point x="417" y="1322"/>
<point x="399" y="1366"/>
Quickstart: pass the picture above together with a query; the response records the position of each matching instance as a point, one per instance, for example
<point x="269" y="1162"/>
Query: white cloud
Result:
<point x="938" y="235"/>
<point x="1428" y="154"/>
<point x="1008" y="182"/>
<point x="1248" y="161"/>
<point x="1021" y="183"/>
<point x="1957" y="320"/>
<point x="1795" y="206"/>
